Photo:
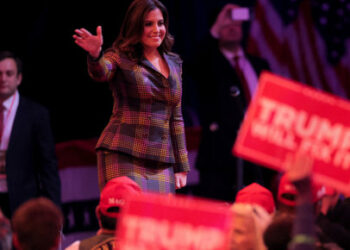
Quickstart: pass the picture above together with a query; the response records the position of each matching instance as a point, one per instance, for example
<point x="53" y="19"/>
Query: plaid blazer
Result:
<point x="146" y="121"/>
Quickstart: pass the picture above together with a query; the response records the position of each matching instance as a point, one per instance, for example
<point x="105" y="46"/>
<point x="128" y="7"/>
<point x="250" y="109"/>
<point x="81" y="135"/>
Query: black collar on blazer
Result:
<point x="168" y="59"/>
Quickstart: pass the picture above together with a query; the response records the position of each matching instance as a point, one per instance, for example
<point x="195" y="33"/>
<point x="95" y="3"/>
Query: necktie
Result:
<point x="242" y="78"/>
<point x="2" y="152"/>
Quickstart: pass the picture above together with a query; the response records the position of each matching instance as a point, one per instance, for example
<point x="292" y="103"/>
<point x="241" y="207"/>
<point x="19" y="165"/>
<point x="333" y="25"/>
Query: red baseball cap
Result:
<point x="114" y="194"/>
<point x="256" y="194"/>
<point x="287" y="192"/>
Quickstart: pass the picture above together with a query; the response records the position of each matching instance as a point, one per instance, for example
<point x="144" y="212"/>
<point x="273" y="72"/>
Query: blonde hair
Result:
<point x="254" y="219"/>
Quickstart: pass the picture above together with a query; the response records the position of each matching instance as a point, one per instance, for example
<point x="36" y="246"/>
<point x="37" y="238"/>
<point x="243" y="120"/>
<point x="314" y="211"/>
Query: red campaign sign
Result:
<point x="288" y="117"/>
<point x="158" y="222"/>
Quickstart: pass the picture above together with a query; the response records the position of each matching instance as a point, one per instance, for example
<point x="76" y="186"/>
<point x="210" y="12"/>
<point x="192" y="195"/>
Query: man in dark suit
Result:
<point x="227" y="79"/>
<point x="28" y="166"/>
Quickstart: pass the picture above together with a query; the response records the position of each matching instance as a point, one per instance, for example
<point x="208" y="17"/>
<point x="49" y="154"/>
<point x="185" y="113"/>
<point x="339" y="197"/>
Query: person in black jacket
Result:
<point x="333" y="219"/>
<point x="227" y="79"/>
<point x="28" y="165"/>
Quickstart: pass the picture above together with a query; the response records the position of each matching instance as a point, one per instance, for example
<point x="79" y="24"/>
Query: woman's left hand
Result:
<point x="180" y="179"/>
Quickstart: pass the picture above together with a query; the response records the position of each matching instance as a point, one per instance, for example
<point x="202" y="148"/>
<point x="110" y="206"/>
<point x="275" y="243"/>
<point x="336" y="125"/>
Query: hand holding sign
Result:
<point x="298" y="167"/>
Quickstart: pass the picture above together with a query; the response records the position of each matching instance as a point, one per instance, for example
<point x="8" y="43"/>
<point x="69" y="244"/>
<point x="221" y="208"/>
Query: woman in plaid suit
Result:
<point x="145" y="138"/>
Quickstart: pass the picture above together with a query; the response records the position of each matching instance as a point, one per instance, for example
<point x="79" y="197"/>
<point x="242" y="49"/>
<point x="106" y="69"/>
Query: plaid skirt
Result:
<point x="150" y="175"/>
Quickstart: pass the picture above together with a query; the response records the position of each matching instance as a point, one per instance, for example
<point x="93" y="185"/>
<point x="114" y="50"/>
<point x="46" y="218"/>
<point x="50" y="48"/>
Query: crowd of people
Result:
<point x="303" y="215"/>
<point x="143" y="146"/>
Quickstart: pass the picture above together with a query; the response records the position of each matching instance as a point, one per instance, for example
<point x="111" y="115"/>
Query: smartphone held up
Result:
<point x="240" y="14"/>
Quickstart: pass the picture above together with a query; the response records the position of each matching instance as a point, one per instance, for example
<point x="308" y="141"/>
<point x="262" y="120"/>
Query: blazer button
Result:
<point x="213" y="127"/>
<point x="234" y="91"/>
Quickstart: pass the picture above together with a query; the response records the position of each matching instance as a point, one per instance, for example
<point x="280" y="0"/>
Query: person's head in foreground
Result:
<point x="249" y="223"/>
<point x="112" y="199"/>
<point x="255" y="194"/>
<point x="37" y="225"/>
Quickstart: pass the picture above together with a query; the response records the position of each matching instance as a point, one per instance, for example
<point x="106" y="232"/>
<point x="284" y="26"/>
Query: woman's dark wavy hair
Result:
<point x="129" y="38"/>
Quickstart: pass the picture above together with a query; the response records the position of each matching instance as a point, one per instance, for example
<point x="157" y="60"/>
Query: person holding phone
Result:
<point x="225" y="90"/>
<point x="145" y="137"/>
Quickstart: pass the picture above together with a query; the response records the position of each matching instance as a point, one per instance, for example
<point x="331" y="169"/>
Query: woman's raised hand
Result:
<point x="89" y="42"/>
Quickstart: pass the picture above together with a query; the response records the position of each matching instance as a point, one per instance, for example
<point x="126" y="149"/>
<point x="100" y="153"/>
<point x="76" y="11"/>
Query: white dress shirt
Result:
<point x="10" y="109"/>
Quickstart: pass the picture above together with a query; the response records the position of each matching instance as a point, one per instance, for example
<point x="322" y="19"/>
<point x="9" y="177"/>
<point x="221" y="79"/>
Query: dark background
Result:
<point x="55" y="71"/>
